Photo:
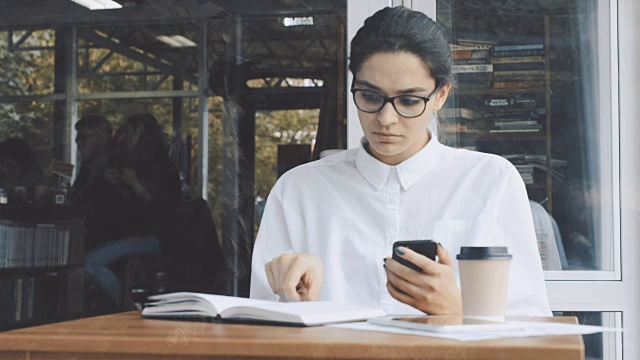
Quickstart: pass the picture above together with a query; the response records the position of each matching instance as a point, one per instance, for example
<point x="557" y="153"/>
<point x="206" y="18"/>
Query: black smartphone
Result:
<point x="428" y="248"/>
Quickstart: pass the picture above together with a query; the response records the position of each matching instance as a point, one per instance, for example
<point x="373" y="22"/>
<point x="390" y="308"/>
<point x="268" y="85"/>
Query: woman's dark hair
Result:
<point x="19" y="151"/>
<point x="398" y="29"/>
<point x="151" y="145"/>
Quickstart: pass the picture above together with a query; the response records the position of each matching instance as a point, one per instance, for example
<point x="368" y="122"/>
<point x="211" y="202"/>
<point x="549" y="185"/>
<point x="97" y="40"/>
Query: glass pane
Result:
<point x="274" y="73"/>
<point x="533" y="85"/>
<point x="277" y="78"/>
<point x="600" y="346"/>
<point x="28" y="60"/>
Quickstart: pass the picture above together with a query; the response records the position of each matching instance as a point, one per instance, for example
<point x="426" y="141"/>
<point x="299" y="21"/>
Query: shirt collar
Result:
<point x="409" y="171"/>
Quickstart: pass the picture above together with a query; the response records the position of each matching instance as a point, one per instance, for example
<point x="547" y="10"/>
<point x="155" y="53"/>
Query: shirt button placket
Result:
<point x="391" y="213"/>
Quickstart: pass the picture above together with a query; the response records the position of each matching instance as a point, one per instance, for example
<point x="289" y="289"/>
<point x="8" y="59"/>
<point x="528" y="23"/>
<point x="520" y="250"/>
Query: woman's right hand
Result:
<point x="296" y="277"/>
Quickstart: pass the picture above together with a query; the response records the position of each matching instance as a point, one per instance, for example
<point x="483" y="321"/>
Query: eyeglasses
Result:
<point x="409" y="106"/>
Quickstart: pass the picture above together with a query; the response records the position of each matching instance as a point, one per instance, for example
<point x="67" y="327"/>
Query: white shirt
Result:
<point x="349" y="209"/>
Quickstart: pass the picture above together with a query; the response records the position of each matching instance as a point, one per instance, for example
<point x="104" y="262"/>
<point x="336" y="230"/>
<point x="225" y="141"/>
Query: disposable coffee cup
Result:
<point x="484" y="281"/>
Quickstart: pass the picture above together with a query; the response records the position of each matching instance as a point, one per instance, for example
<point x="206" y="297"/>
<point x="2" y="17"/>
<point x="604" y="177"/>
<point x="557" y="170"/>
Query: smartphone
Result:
<point x="427" y="248"/>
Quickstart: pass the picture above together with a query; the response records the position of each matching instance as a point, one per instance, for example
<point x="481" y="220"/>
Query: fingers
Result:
<point x="312" y="282"/>
<point x="443" y="256"/>
<point x="403" y="285"/>
<point x="291" y="279"/>
<point x="421" y="261"/>
<point x="295" y="277"/>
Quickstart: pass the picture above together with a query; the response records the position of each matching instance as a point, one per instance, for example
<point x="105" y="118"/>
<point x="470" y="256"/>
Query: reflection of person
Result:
<point x="151" y="187"/>
<point x="92" y="194"/>
<point x="328" y="225"/>
<point x="18" y="165"/>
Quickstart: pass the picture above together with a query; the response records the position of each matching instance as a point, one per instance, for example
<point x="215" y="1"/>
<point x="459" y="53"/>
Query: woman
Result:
<point x="149" y="182"/>
<point x="329" y="226"/>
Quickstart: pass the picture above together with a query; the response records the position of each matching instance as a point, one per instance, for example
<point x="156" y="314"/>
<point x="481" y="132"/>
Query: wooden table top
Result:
<point x="127" y="336"/>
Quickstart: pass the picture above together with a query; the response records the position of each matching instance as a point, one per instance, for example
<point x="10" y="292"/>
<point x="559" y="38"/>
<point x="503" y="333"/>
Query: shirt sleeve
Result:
<point x="273" y="240"/>
<point x="514" y="225"/>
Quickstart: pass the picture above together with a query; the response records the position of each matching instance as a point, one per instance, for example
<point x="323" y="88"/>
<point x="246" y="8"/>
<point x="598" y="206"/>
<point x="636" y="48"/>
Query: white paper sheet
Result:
<point x="530" y="329"/>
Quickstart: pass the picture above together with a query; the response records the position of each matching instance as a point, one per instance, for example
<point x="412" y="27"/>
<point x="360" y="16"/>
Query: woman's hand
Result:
<point x="129" y="177"/>
<point x="296" y="277"/>
<point x="433" y="291"/>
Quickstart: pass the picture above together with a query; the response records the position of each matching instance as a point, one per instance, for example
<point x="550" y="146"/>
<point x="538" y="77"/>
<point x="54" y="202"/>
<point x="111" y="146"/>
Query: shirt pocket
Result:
<point x="454" y="233"/>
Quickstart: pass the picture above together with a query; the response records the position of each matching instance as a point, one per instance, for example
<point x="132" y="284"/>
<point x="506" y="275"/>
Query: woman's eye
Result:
<point x="409" y="100"/>
<point x="371" y="97"/>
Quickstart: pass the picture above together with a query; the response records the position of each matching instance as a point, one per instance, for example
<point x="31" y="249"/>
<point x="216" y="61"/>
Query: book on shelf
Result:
<point x="481" y="68"/>
<point x="516" y="123"/>
<point x="196" y="306"/>
<point x="472" y="61"/>
<point x="511" y="116"/>
<point x="518" y="47"/>
<point x="470" y="54"/>
<point x="525" y="84"/>
<point x="461" y="129"/>
<point x="509" y="102"/>
<point x="519" y="75"/>
<point x="457" y="113"/>
<point x="506" y="53"/>
<point x="513" y="130"/>
<point x="475" y="46"/>
<point x="517" y="59"/>
<point x="520" y="66"/>
<point x="33" y="245"/>
<point x="518" y="127"/>
<point x="538" y="162"/>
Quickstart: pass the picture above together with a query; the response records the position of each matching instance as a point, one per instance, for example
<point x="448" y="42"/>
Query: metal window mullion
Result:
<point x="71" y="97"/>
<point x="203" y="112"/>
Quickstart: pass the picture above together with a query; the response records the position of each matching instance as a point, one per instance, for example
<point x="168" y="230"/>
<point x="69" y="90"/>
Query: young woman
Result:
<point x="150" y="185"/>
<point x="329" y="226"/>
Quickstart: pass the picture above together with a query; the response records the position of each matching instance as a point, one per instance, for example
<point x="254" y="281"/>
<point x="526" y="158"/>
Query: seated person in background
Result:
<point x="93" y="195"/>
<point x="150" y="185"/>
<point x="329" y="226"/>
<point x="19" y="168"/>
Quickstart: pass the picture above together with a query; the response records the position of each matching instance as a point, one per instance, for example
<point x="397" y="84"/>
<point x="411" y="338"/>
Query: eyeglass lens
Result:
<point x="405" y="105"/>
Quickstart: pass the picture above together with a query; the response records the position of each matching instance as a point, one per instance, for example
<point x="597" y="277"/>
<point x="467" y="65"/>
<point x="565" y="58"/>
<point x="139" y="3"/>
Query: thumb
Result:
<point x="443" y="256"/>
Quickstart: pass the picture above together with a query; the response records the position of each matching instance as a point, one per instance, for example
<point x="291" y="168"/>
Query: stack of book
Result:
<point x="531" y="163"/>
<point x="518" y="66"/>
<point x="472" y="66"/>
<point x="526" y="172"/>
<point x="461" y="120"/>
<point x="37" y="245"/>
<point x="520" y="121"/>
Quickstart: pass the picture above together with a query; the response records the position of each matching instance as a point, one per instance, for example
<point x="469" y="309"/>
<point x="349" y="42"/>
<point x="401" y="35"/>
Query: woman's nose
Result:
<point x="387" y="115"/>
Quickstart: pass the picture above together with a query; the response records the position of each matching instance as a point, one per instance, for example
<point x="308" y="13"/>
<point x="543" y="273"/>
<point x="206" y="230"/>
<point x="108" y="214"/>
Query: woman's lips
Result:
<point x="385" y="137"/>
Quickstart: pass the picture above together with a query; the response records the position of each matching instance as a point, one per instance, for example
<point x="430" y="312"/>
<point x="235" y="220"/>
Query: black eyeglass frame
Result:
<point x="386" y="99"/>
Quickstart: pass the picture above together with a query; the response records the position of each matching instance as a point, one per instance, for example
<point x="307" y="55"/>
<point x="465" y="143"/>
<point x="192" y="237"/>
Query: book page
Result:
<point x="308" y="313"/>
<point x="212" y="304"/>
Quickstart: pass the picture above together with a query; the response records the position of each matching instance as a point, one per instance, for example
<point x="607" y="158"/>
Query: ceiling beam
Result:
<point x="132" y="54"/>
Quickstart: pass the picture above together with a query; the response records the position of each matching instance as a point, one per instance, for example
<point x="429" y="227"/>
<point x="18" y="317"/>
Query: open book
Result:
<point x="193" y="306"/>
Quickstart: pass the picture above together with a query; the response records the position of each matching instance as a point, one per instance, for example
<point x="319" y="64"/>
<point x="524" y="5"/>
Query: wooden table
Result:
<point x="127" y="336"/>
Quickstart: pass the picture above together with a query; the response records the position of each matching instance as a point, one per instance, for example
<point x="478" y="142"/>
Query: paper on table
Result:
<point x="531" y="329"/>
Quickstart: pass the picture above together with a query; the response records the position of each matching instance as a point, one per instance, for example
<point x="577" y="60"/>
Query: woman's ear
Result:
<point x="441" y="96"/>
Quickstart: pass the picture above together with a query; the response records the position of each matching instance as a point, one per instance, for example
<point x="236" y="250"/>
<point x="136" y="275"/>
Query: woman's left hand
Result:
<point x="433" y="291"/>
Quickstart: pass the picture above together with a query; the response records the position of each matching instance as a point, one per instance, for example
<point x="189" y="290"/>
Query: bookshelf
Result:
<point x="41" y="265"/>
<point x="513" y="122"/>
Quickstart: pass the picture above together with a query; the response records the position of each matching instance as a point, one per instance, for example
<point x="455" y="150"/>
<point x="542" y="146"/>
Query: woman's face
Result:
<point x="132" y="136"/>
<point x="89" y="143"/>
<point x="393" y="138"/>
